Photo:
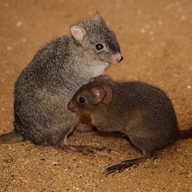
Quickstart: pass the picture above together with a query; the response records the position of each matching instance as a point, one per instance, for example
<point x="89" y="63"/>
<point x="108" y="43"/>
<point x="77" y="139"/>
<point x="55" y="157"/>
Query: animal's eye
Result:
<point x="99" y="46"/>
<point x="81" y="100"/>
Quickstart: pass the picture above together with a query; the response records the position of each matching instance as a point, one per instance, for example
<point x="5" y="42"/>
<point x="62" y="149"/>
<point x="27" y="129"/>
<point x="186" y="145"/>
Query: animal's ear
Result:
<point x="102" y="94"/>
<point x="99" y="93"/>
<point x="78" y="32"/>
<point x="108" y="95"/>
<point x="98" y="16"/>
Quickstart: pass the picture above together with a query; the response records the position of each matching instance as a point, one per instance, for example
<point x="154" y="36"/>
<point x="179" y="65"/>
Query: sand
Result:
<point x="156" y="42"/>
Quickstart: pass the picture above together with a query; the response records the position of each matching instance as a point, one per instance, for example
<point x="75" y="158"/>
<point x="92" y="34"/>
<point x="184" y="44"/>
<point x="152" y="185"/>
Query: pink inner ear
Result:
<point x="98" y="92"/>
<point x="78" y="32"/>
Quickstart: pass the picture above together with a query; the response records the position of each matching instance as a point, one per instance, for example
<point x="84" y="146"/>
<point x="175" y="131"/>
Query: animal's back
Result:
<point x="41" y="97"/>
<point x="151" y="114"/>
<point x="139" y="110"/>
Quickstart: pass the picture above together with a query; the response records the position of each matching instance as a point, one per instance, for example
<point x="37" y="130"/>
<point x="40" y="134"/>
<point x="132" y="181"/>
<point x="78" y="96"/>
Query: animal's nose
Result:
<point x="119" y="60"/>
<point x="71" y="106"/>
<point x="116" y="58"/>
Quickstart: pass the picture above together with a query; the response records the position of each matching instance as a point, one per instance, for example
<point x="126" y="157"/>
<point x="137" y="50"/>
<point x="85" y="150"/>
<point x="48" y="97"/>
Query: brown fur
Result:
<point x="140" y="111"/>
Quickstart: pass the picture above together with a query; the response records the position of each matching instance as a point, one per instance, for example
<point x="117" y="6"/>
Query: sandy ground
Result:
<point x="156" y="42"/>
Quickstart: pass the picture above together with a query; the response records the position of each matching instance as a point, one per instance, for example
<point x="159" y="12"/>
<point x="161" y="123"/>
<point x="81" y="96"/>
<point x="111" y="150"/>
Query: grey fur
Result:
<point x="47" y="84"/>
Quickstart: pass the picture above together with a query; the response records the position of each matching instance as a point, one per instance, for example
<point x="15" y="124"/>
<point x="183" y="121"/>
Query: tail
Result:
<point x="184" y="134"/>
<point x="10" y="138"/>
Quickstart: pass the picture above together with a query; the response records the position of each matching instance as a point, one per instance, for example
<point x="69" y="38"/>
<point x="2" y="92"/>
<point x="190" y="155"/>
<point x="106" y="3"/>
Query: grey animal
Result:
<point x="45" y="87"/>
<point x="140" y="111"/>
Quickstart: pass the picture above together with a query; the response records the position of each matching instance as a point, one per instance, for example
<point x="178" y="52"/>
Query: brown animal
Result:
<point x="140" y="111"/>
<point x="45" y="87"/>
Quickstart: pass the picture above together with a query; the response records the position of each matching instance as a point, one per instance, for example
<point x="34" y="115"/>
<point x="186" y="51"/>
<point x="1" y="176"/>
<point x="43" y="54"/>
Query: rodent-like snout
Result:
<point x="116" y="58"/>
<point x="120" y="59"/>
<point x="72" y="106"/>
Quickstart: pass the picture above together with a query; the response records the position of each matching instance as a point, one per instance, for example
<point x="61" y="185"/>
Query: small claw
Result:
<point x="103" y="151"/>
<point x="99" y="151"/>
<point x="89" y="151"/>
<point x="111" y="169"/>
<point x="86" y="150"/>
<point x="118" y="167"/>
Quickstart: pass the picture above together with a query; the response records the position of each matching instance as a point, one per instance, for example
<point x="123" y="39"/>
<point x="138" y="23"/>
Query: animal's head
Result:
<point x="97" y="39"/>
<point x="87" y="99"/>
